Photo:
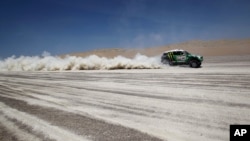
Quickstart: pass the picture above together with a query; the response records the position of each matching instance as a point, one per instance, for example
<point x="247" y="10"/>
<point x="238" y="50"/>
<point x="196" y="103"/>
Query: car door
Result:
<point x="180" y="56"/>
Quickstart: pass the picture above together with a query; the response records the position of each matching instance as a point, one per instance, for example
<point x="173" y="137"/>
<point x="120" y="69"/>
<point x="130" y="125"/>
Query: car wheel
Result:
<point x="194" y="64"/>
<point x="164" y="61"/>
<point x="170" y="63"/>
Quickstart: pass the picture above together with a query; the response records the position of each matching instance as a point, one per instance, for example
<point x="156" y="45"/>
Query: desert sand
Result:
<point x="168" y="103"/>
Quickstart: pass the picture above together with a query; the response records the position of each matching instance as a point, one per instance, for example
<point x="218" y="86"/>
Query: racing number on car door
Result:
<point x="181" y="57"/>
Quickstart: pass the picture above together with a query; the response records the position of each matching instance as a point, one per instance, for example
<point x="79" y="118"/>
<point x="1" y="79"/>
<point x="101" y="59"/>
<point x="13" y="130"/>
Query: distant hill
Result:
<point x="205" y="48"/>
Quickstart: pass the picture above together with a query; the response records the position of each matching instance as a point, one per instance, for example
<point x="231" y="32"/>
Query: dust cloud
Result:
<point x="46" y="62"/>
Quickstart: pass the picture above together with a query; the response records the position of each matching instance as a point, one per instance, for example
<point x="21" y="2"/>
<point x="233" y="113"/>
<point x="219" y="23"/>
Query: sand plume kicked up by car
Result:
<point x="92" y="62"/>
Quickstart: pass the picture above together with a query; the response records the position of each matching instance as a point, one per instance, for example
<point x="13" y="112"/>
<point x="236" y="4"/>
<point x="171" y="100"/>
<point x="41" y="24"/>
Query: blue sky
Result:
<point x="29" y="27"/>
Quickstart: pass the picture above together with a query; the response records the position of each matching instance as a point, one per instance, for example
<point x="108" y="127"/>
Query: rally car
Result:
<point x="181" y="57"/>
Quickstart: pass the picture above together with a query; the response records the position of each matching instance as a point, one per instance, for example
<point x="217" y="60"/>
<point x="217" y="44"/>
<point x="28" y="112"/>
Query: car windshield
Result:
<point x="186" y="52"/>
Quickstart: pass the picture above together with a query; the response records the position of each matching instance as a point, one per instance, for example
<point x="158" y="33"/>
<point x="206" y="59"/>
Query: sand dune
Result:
<point x="205" y="48"/>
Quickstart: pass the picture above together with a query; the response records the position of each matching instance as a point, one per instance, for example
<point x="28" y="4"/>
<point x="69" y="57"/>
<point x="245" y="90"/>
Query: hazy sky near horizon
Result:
<point x="29" y="27"/>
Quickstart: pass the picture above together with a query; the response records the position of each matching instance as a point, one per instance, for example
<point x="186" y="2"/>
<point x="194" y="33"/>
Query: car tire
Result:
<point x="170" y="63"/>
<point x="194" y="64"/>
<point x="164" y="61"/>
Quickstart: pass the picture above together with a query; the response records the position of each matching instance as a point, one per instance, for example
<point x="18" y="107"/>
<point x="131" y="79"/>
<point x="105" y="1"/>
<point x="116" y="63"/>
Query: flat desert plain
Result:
<point x="171" y="103"/>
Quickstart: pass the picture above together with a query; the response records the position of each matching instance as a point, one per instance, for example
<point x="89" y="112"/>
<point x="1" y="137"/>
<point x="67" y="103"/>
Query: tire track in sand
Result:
<point x="87" y="127"/>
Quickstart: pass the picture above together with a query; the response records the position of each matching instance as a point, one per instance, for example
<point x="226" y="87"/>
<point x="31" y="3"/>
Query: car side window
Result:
<point x="178" y="53"/>
<point x="175" y="53"/>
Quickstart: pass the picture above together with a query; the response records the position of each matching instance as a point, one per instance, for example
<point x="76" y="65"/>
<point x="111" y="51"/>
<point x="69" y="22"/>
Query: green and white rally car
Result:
<point x="181" y="57"/>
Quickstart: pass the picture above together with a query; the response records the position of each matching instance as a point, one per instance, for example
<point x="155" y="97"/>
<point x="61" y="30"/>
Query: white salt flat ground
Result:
<point x="173" y="103"/>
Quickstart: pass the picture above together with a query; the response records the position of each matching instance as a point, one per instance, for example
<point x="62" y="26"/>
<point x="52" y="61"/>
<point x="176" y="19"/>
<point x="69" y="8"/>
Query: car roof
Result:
<point x="174" y="50"/>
